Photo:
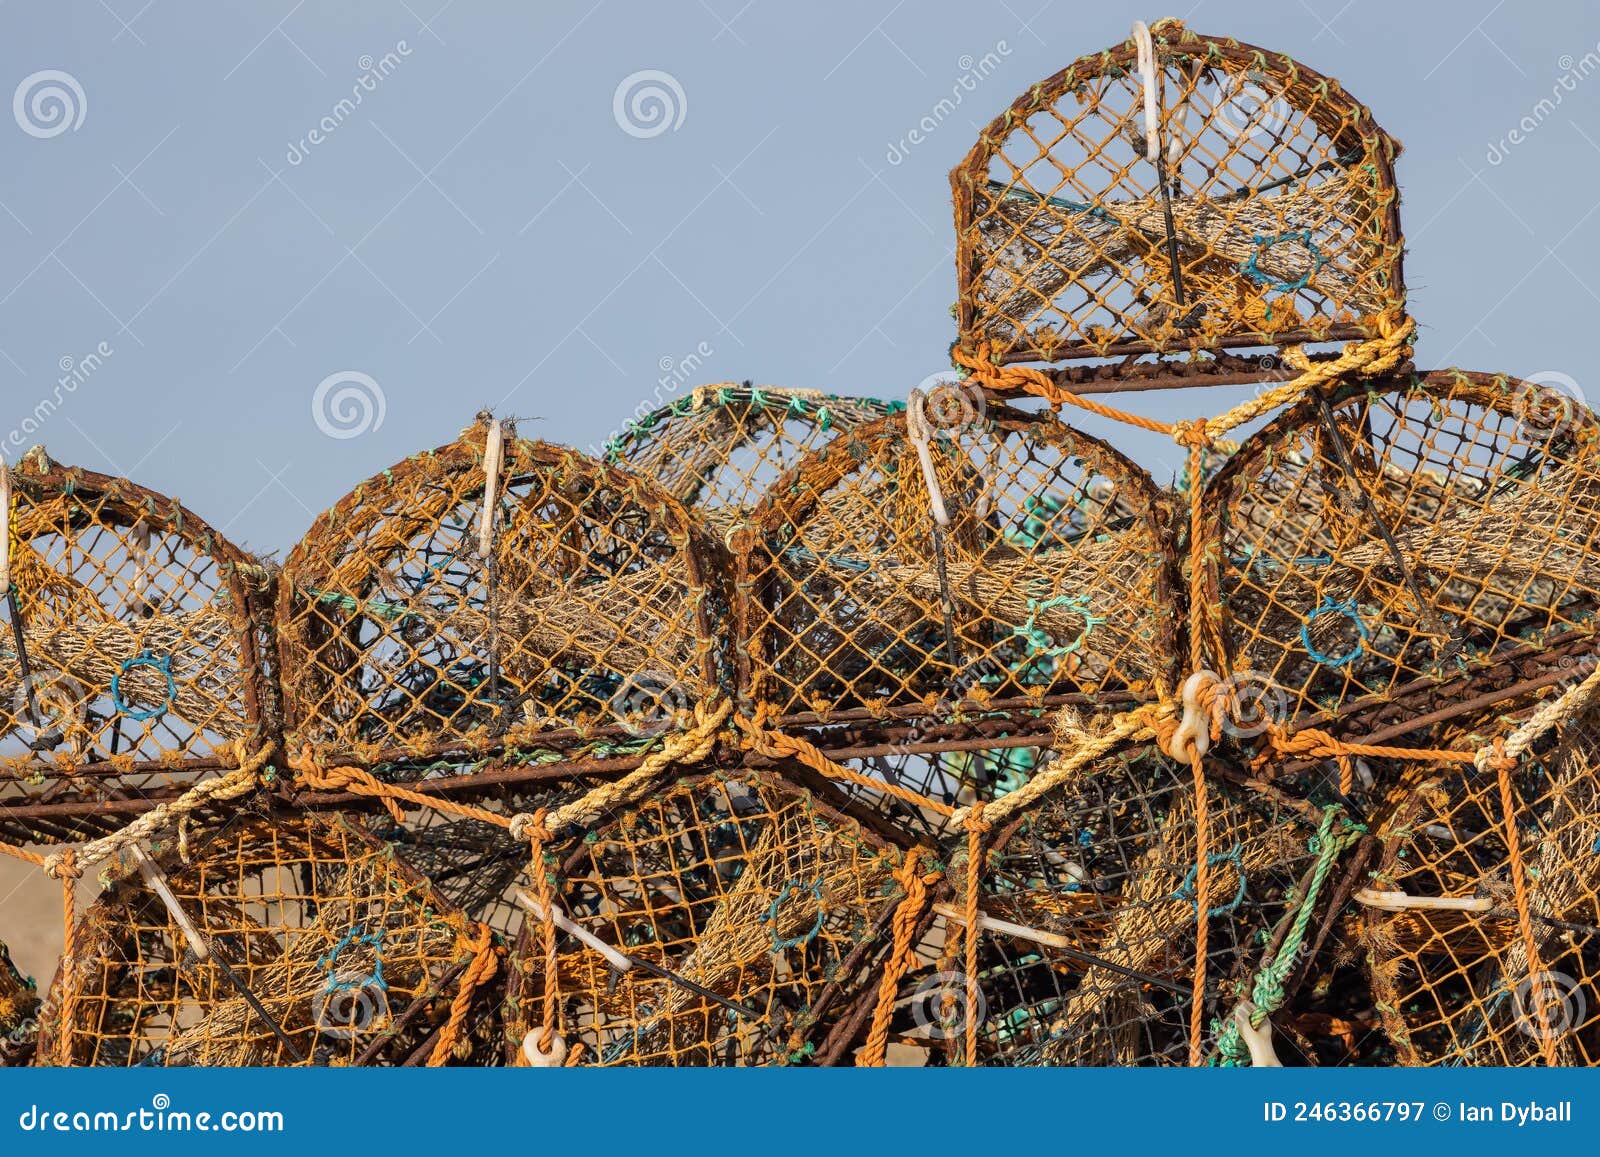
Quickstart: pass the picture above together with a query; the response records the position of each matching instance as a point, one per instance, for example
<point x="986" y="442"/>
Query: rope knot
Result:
<point x="63" y="866"/>
<point x="531" y="827"/>
<point x="1195" y="434"/>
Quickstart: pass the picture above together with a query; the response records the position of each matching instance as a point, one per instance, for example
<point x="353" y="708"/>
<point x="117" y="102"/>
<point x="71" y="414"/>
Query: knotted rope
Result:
<point x="781" y="745"/>
<point x="915" y="886"/>
<point x="239" y="782"/>
<point x="1267" y="994"/>
<point x="485" y="962"/>
<point x="976" y="826"/>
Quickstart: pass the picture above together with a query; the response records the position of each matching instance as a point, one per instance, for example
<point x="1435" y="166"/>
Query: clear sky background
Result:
<point x="481" y="229"/>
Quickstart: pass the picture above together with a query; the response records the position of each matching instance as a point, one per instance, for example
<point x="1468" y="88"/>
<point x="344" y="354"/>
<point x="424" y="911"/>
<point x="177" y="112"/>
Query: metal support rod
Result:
<point x="23" y="666"/>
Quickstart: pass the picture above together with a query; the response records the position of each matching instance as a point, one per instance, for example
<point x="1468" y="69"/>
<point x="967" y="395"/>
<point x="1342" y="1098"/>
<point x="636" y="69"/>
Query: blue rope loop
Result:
<point x="1040" y="642"/>
<point x="354" y="937"/>
<point x="144" y="659"/>
<point x="1234" y="856"/>
<point x="1265" y="241"/>
<point x="770" y="916"/>
<point x="1349" y="610"/>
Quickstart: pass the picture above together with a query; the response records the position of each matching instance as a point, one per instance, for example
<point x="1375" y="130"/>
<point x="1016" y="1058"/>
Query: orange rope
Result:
<point x="359" y="782"/>
<point x="67" y="871"/>
<point x="544" y="895"/>
<point x="780" y="745"/>
<point x="1202" y="902"/>
<point x="1503" y="766"/>
<point x="485" y="962"/>
<point x="915" y="886"/>
<point x="975" y="829"/>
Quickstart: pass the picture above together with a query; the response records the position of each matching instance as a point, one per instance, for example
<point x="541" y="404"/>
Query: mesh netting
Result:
<point x="1088" y="946"/>
<point x="19" y="1000"/>
<point x="1051" y="577"/>
<point x="1406" y="531"/>
<point x="955" y="778"/>
<point x="591" y="613"/>
<point x="765" y="903"/>
<point x="129" y="660"/>
<point x="720" y="448"/>
<point x="322" y="947"/>
<point x="1269" y="216"/>
<point x="1464" y="984"/>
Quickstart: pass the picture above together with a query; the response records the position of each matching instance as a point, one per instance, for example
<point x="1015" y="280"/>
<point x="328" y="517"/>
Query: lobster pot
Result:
<point x="137" y="665"/>
<point x="738" y="884"/>
<point x="1048" y="580"/>
<point x="589" y="612"/>
<point x="718" y="449"/>
<point x="19" y="1003"/>
<point x="1271" y="190"/>
<point x="1459" y="986"/>
<point x="352" y="956"/>
<point x="1414" y="529"/>
<point x="1091" y="959"/>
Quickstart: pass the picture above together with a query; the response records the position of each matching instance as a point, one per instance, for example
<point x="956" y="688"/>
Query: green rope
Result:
<point x="1267" y="993"/>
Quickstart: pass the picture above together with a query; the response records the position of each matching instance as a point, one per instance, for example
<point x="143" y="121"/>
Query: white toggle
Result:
<point x="614" y="958"/>
<point x="1194" y="731"/>
<point x="1400" y="902"/>
<point x="156" y="880"/>
<point x="1147" y="73"/>
<point x="493" y="459"/>
<point x="539" y="1059"/>
<point x="1257" y="1040"/>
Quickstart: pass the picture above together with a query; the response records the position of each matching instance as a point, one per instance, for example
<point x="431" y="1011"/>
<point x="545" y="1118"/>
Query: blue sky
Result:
<point x="482" y="228"/>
